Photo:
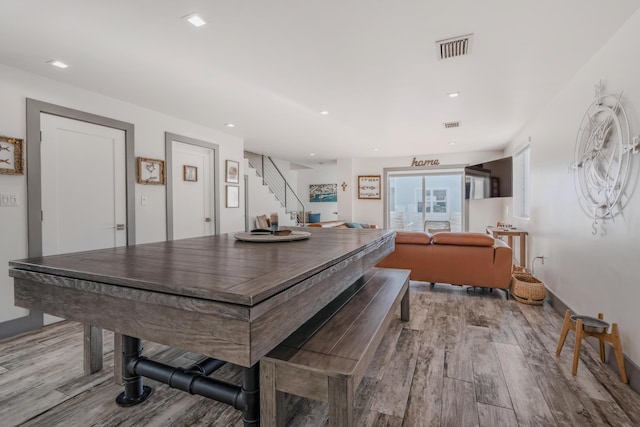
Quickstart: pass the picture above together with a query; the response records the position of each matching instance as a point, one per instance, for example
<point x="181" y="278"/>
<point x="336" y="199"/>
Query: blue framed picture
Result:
<point x="323" y="192"/>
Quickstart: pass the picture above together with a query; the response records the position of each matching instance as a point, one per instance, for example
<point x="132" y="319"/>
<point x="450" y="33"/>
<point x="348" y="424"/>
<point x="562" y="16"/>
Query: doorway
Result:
<point x="192" y="196"/>
<point x="35" y="110"/>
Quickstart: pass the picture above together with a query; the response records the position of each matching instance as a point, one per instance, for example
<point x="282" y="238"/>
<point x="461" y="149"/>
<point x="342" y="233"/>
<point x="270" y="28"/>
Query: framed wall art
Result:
<point x="190" y="173"/>
<point x="233" y="196"/>
<point x="150" y="171"/>
<point x="369" y="187"/>
<point x="11" y="159"/>
<point x="232" y="174"/>
<point x="323" y="192"/>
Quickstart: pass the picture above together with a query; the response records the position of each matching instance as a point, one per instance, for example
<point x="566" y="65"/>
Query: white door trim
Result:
<point x="168" y="144"/>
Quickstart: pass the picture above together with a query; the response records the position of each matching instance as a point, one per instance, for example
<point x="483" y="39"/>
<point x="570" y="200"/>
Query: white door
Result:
<point x="193" y="175"/>
<point x="83" y="186"/>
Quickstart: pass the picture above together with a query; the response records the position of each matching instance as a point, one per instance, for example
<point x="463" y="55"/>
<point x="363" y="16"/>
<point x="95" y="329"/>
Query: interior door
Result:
<point x="83" y="186"/>
<point x="193" y="186"/>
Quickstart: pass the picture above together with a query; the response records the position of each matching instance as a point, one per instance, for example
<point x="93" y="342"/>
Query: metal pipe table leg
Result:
<point x="251" y="395"/>
<point x="134" y="391"/>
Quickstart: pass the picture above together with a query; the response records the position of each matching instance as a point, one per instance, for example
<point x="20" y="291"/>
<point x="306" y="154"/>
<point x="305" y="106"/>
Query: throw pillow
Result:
<point x="262" y="222"/>
<point x="314" y="217"/>
<point x="353" y="225"/>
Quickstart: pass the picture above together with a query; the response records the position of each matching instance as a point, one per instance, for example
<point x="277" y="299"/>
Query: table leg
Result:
<point x="523" y="250"/>
<point x="92" y="349"/>
<point x="251" y="395"/>
<point x="134" y="392"/>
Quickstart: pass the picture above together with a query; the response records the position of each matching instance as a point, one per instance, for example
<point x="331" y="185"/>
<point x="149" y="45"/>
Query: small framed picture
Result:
<point x="369" y="187"/>
<point x="150" y="171"/>
<point x="190" y="173"/>
<point x="232" y="172"/>
<point x="233" y="196"/>
<point x="11" y="159"/>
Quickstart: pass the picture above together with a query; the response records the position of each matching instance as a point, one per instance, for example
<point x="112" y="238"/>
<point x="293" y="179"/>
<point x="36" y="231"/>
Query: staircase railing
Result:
<point x="277" y="183"/>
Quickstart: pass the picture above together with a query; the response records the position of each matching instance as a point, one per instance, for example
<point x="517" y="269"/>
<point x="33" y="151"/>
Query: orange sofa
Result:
<point x="337" y="224"/>
<point x="473" y="259"/>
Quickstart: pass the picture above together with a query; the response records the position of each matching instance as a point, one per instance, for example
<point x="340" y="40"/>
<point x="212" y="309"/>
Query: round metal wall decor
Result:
<point x="602" y="156"/>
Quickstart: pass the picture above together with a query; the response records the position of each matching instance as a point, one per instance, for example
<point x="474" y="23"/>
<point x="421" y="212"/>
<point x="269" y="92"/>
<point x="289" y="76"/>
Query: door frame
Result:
<point x="34" y="186"/>
<point x="168" y="153"/>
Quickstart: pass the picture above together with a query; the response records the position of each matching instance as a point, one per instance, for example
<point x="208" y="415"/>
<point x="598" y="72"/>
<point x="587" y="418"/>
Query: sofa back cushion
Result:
<point x="463" y="239"/>
<point x="413" y="237"/>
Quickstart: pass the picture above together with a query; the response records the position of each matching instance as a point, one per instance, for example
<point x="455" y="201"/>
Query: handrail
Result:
<point x="277" y="183"/>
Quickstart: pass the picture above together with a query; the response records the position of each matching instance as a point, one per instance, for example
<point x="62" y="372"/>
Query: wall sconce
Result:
<point x="344" y="186"/>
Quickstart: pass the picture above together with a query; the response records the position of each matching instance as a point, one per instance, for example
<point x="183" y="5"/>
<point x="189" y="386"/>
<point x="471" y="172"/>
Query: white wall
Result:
<point x="324" y="174"/>
<point x="589" y="273"/>
<point x="16" y="86"/>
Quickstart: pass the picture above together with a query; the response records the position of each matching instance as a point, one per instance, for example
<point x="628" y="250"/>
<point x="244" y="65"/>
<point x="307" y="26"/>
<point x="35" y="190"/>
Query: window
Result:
<point x="417" y="197"/>
<point x="521" y="195"/>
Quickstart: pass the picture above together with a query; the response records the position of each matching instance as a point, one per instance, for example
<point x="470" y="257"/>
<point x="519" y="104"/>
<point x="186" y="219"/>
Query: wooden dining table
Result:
<point x="230" y="300"/>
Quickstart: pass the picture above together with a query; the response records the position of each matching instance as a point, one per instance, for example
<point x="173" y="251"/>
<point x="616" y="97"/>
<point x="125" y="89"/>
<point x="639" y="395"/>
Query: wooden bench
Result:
<point x="327" y="357"/>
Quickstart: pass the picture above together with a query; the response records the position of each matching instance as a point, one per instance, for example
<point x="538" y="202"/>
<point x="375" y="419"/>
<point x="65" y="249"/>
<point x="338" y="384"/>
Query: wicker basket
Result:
<point x="527" y="289"/>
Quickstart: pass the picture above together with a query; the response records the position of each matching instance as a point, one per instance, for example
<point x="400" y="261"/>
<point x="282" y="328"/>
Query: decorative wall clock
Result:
<point x="602" y="156"/>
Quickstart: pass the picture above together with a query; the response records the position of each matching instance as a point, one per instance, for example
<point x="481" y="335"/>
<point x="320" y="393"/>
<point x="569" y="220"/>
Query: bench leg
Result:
<point x="272" y="409"/>
<point x="92" y="349"/>
<point x="341" y="401"/>
<point x="404" y="307"/>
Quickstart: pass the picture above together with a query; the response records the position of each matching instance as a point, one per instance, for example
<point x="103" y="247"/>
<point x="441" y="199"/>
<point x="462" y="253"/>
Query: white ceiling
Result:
<point x="270" y="66"/>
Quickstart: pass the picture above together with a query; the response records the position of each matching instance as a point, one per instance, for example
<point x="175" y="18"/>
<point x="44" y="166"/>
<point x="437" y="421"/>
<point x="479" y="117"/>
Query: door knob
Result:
<point x="120" y="226"/>
<point x="207" y="220"/>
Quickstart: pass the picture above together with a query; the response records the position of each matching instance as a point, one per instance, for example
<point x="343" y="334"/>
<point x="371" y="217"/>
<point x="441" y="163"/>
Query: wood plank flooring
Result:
<point x="463" y="360"/>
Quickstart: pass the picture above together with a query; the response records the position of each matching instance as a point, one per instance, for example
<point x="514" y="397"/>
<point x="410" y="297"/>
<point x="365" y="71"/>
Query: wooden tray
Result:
<point x="270" y="238"/>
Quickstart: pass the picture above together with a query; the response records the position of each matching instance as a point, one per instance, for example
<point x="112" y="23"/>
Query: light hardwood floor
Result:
<point x="463" y="360"/>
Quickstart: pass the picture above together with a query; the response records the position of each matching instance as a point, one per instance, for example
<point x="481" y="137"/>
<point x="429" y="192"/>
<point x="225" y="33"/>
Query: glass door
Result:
<point x="416" y="198"/>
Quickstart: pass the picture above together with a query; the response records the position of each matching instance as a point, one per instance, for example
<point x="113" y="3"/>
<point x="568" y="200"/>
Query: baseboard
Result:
<point x="20" y="325"/>
<point x="633" y="371"/>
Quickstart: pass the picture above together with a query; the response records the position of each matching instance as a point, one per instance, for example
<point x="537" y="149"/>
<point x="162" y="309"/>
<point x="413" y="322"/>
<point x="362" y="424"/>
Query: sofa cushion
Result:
<point x="462" y="239"/>
<point x="413" y="237"/>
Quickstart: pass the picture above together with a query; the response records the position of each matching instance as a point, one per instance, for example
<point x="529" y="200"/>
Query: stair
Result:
<point x="261" y="201"/>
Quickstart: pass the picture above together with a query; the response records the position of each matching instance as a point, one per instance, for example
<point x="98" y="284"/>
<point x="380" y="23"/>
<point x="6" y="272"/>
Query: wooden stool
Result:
<point x="579" y="329"/>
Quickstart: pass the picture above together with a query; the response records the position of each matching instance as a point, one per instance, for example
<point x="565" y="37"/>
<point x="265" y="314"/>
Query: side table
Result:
<point x="510" y="233"/>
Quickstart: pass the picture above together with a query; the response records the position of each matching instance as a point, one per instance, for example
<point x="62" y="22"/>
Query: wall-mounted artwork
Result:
<point x="323" y="193"/>
<point x="190" y="173"/>
<point x="150" y="171"/>
<point x="369" y="187"/>
<point x="11" y="160"/>
<point x="232" y="172"/>
<point x="233" y="196"/>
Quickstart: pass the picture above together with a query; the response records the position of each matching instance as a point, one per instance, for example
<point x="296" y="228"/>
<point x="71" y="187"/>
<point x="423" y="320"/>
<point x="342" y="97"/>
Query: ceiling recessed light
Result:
<point x="454" y="94"/>
<point x="57" y="63"/>
<point x="312" y="154"/>
<point x="230" y="125"/>
<point x="324" y="112"/>
<point x="376" y="149"/>
<point x="194" y="20"/>
<point x="452" y="143"/>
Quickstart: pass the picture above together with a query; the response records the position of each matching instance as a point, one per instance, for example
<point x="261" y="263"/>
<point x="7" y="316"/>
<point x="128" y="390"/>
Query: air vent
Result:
<point x="450" y="125"/>
<point x="457" y="46"/>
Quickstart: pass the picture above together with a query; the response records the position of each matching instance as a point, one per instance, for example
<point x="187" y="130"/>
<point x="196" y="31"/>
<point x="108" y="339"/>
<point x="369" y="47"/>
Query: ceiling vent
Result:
<point x="450" y="125"/>
<point x="457" y="46"/>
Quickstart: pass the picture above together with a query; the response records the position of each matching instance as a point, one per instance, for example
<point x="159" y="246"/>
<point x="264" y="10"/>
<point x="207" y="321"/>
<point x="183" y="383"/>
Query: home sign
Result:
<point x="432" y="162"/>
